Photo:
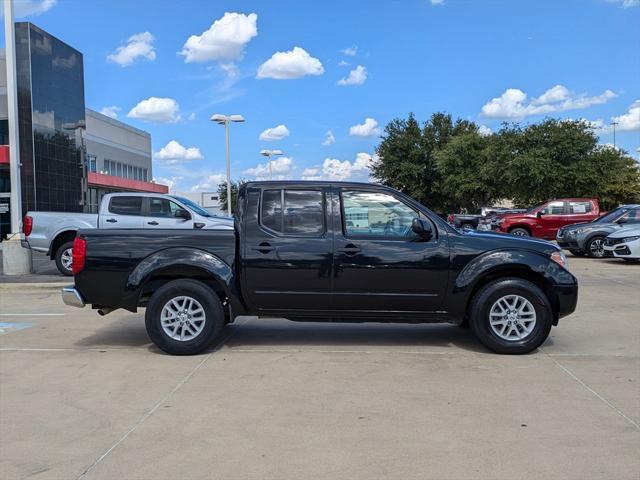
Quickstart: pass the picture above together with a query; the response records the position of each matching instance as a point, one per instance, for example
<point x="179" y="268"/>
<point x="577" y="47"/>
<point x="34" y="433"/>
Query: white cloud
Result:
<point x="357" y="76"/>
<point x="484" y="131"/>
<point x="210" y="182"/>
<point x="111" y="111"/>
<point x="513" y="104"/>
<point x="311" y="174"/>
<point x="281" y="168"/>
<point x="343" y="63"/>
<point x="626" y="3"/>
<point x="24" y="8"/>
<point x="139" y="45"/>
<point x="329" y="139"/>
<point x="334" y="169"/>
<point x="154" y="109"/>
<point x="275" y="133"/>
<point x="171" y="182"/>
<point x="629" y="121"/>
<point x="223" y="41"/>
<point x="173" y="152"/>
<point x="367" y="129"/>
<point x="350" y="51"/>
<point x="437" y="2"/>
<point x="295" y="63"/>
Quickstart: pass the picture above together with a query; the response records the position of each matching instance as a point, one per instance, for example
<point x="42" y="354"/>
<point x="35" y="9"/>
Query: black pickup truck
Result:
<point x="325" y="251"/>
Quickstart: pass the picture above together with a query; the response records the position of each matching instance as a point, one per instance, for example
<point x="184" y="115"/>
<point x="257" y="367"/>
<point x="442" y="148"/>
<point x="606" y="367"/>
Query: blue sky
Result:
<point x="488" y="61"/>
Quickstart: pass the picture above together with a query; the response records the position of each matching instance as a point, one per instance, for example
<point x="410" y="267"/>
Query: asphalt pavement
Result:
<point x="83" y="396"/>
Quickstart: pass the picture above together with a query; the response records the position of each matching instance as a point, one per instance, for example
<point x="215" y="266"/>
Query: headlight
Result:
<point x="631" y="239"/>
<point x="560" y="258"/>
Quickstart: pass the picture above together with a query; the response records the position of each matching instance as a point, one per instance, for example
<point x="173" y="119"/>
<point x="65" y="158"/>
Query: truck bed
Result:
<point x="114" y="254"/>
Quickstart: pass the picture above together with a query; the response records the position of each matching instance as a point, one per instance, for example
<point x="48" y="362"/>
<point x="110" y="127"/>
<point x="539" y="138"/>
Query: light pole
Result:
<point x="614" y="124"/>
<point x="269" y="154"/>
<point x="225" y="120"/>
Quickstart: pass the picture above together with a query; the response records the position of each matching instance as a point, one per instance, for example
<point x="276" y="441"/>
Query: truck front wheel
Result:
<point x="184" y="317"/>
<point x="511" y="316"/>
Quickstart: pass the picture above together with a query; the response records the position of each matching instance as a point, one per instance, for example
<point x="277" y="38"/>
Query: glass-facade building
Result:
<point x="51" y="108"/>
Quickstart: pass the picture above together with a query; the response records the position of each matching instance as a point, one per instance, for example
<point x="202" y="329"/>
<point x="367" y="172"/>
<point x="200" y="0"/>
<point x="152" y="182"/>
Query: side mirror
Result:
<point x="622" y="221"/>
<point x="422" y="228"/>
<point x="182" y="213"/>
<point x="539" y="214"/>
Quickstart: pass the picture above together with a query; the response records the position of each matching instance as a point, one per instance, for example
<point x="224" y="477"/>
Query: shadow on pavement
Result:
<point x="249" y="332"/>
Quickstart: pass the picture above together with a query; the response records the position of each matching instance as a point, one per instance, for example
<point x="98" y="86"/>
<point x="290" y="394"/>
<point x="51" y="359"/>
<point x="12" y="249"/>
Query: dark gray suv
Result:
<point x="588" y="238"/>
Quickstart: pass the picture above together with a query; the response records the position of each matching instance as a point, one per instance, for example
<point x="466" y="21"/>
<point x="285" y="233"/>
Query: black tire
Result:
<point x="60" y="262"/>
<point x="631" y="260"/>
<point x="520" y="232"/>
<point x="213" y="322"/>
<point x="595" y="247"/>
<point x="484" y="300"/>
<point x="577" y="253"/>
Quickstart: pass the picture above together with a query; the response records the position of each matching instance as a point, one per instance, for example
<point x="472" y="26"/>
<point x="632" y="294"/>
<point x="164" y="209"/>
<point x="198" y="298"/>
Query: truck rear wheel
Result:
<point x="63" y="258"/>
<point x="511" y="316"/>
<point x="184" y="317"/>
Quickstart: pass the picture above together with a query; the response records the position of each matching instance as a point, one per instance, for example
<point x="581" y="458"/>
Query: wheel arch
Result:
<point x="520" y="225"/>
<point x="177" y="263"/>
<point x="61" y="237"/>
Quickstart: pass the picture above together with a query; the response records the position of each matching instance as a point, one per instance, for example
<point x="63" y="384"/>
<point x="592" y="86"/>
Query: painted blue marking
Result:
<point x="8" y="327"/>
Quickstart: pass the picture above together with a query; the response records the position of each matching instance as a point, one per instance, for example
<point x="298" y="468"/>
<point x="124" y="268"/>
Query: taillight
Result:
<point x="79" y="254"/>
<point x="27" y="225"/>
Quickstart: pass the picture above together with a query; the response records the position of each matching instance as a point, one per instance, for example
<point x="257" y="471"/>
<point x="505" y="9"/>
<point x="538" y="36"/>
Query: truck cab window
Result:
<point x="126" y="205"/>
<point x="303" y="212"/>
<point x="161" y="207"/>
<point x="376" y="214"/>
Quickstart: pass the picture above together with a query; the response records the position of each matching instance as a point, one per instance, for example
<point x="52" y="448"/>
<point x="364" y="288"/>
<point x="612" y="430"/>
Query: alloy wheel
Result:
<point x="596" y="248"/>
<point x="66" y="258"/>
<point x="182" y="318"/>
<point x="512" y="318"/>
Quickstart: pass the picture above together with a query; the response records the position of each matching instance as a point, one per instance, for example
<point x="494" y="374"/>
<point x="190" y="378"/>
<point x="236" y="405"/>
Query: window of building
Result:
<point x="144" y="175"/>
<point x="303" y="212"/>
<point x="126" y="205"/>
<point x="118" y="169"/>
<point x="376" y="214"/>
<point x="92" y="163"/>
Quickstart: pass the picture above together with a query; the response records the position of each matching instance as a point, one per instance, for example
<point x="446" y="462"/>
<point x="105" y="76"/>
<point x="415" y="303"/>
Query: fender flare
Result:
<point x="217" y="268"/>
<point x="492" y="262"/>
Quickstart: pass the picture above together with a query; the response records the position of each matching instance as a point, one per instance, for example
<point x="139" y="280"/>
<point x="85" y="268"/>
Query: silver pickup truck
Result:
<point x="53" y="232"/>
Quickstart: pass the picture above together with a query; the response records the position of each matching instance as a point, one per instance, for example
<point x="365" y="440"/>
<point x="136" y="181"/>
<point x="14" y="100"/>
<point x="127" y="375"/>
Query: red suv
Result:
<point x="544" y="220"/>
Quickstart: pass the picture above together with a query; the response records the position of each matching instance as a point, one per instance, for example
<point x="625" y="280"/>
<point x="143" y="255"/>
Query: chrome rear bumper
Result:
<point x="71" y="296"/>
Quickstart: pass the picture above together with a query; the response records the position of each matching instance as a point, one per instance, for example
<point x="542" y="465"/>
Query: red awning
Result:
<point x="109" y="181"/>
<point x="4" y="154"/>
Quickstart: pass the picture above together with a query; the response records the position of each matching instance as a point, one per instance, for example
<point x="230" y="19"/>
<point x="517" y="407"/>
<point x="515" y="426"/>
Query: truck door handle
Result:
<point x="152" y="223"/>
<point x="264" y="247"/>
<point x="111" y="220"/>
<point x="349" y="249"/>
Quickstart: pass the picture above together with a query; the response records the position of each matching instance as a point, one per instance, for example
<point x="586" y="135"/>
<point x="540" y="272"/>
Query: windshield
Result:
<point x="194" y="206"/>
<point x="611" y="216"/>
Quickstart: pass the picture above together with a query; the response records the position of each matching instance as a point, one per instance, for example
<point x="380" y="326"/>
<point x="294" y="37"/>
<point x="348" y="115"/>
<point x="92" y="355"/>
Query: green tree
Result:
<point x="222" y="195"/>
<point x="407" y="156"/>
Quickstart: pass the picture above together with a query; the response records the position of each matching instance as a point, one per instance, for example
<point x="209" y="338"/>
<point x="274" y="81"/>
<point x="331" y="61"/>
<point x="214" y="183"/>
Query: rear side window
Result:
<point x="126" y="205"/>
<point x="303" y="212"/>
<point x="579" y="207"/>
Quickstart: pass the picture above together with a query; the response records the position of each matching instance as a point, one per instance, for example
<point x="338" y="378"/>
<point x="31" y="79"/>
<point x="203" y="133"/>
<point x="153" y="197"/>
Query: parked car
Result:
<point x="544" y="220"/>
<point x="53" y="232"/>
<point x="624" y="243"/>
<point x="325" y="251"/>
<point x="473" y="221"/>
<point x="588" y="238"/>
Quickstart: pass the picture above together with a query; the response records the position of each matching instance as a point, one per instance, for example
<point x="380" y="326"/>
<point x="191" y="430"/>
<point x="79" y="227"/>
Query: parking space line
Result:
<point x="142" y="419"/>
<point x="32" y="314"/>
<point x="588" y="388"/>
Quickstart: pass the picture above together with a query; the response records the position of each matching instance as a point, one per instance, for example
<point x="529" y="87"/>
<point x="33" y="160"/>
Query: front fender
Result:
<point x="219" y="270"/>
<point x="507" y="261"/>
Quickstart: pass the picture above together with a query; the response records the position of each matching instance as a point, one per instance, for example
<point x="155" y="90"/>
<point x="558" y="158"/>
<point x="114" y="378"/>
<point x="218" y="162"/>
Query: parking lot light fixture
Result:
<point x="221" y="119"/>
<point x="269" y="154"/>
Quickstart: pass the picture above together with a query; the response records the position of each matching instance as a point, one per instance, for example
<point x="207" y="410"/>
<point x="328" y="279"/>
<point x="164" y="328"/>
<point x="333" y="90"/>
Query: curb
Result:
<point x="33" y="286"/>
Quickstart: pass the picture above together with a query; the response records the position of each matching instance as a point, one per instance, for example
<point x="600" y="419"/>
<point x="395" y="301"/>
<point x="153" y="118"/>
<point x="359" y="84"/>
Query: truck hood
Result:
<point x="503" y="240"/>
